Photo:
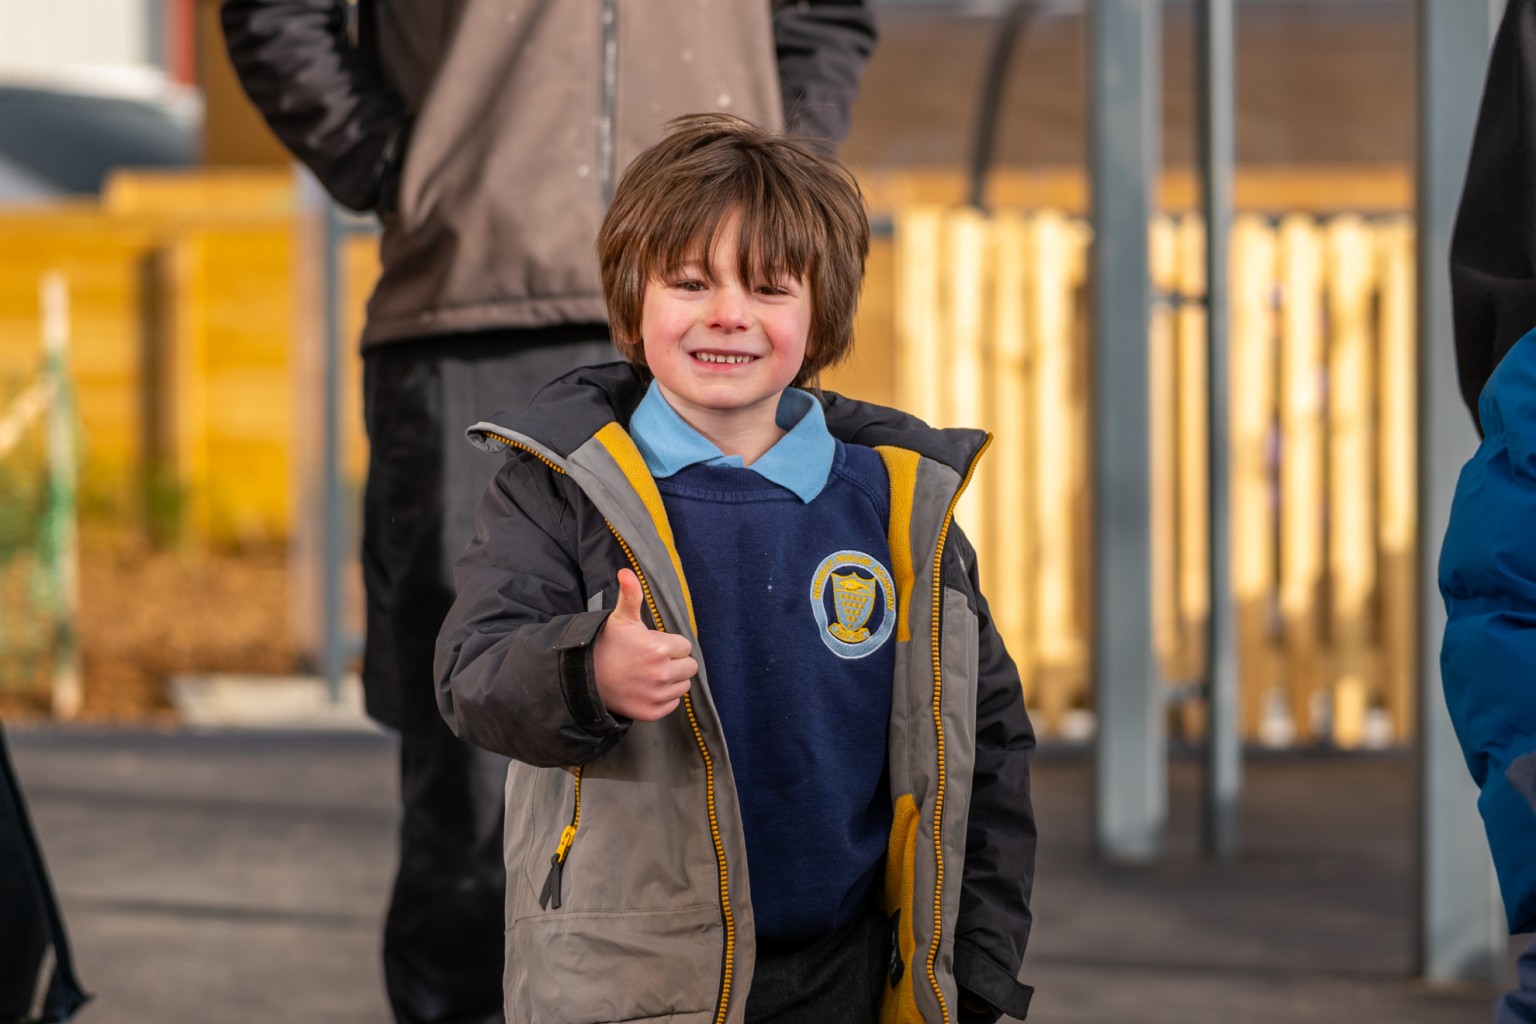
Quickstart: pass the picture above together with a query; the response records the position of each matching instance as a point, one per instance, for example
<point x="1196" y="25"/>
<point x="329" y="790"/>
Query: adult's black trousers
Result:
<point x="443" y="937"/>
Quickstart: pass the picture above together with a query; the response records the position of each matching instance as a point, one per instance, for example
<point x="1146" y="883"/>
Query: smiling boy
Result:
<point x="770" y="757"/>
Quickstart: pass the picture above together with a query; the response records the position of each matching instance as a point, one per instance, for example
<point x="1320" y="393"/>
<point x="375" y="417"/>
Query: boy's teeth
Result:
<point x="713" y="357"/>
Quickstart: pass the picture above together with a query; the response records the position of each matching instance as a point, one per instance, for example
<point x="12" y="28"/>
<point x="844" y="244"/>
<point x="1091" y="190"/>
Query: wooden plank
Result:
<point x="869" y="372"/>
<point x="202" y="194"/>
<point x="187" y="375"/>
<point x="1073" y="294"/>
<point x="1302" y="461"/>
<point x="1351" y="266"/>
<point x="103" y="272"/>
<point x="1058" y="255"/>
<point x="1010" y="556"/>
<point x="1193" y="483"/>
<point x="1162" y="364"/>
<point x="965" y="346"/>
<point x="918" y="247"/>
<point x="249" y="318"/>
<point x="360" y="264"/>
<point x="1252" y="390"/>
<point x="1397" y="457"/>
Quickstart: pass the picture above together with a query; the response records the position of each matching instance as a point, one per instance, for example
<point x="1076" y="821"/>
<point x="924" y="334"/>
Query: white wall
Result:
<point x="47" y="38"/>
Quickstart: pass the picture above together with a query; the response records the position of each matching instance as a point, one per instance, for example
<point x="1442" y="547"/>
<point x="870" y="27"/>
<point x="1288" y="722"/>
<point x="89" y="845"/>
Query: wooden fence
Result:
<point x="991" y="330"/>
<point x="196" y="309"/>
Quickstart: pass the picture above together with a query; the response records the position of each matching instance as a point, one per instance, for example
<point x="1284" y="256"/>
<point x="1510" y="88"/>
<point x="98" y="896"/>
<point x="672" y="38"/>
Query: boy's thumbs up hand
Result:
<point x="631" y="599"/>
<point x="641" y="673"/>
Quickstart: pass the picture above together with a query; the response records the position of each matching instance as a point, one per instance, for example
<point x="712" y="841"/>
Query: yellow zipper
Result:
<point x="729" y="966"/>
<point x="938" y="725"/>
<point x="504" y="439"/>
<point x="549" y="899"/>
<point x="568" y="836"/>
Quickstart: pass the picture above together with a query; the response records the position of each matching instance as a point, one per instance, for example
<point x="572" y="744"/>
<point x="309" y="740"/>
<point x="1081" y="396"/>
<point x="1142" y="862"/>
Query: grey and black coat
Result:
<point x="628" y="895"/>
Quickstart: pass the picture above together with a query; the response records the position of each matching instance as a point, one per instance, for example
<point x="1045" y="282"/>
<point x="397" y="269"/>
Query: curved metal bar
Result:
<point x="1014" y="22"/>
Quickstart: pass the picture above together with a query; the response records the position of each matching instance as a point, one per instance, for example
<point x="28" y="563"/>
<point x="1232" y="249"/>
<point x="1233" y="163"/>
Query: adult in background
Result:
<point x="1488" y="560"/>
<point x="487" y="136"/>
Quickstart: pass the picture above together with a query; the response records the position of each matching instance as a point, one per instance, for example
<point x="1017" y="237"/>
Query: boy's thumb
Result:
<point x="630" y="597"/>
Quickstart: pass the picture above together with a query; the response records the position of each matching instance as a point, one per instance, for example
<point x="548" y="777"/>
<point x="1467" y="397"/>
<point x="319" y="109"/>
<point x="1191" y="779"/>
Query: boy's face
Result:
<point x="723" y="353"/>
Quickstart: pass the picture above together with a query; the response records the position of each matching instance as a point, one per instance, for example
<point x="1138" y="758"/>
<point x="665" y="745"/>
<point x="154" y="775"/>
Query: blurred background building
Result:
<point x="91" y="86"/>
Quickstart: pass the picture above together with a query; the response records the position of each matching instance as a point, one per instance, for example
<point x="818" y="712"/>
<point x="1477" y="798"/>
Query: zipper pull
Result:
<point x="551" y="892"/>
<point x="549" y="898"/>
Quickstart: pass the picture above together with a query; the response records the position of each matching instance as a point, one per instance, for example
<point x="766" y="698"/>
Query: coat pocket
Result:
<point x="585" y="967"/>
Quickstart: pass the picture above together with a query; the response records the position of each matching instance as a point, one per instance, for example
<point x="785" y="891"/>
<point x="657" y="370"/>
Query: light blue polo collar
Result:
<point x="800" y="461"/>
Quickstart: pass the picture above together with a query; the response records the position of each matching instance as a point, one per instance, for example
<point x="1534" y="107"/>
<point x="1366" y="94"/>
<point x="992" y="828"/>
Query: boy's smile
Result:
<point x="723" y="350"/>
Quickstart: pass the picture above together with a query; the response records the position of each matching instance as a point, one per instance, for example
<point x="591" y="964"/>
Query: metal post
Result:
<point x="1130" y="783"/>
<point x="1223" y="751"/>
<point x="333" y="521"/>
<point x="1460" y="923"/>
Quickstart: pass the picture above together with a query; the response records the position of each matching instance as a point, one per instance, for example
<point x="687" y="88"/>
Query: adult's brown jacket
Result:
<point x="488" y="134"/>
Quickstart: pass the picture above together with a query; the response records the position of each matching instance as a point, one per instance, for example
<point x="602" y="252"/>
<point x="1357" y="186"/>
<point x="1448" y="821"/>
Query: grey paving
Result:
<point x="241" y="878"/>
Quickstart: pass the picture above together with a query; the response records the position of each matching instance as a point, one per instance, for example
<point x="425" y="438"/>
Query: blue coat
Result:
<point x="1488" y="658"/>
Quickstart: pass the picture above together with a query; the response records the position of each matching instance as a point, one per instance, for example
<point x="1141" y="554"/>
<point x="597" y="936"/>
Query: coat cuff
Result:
<point x="578" y="679"/>
<point x="982" y="977"/>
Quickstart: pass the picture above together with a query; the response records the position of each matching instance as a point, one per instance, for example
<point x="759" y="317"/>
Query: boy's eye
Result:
<point x="773" y="289"/>
<point x="688" y="284"/>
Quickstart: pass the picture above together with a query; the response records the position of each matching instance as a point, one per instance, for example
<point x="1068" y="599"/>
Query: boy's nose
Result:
<point x="728" y="312"/>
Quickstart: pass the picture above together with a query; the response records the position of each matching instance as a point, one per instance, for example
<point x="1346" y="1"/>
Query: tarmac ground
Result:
<point x="241" y="877"/>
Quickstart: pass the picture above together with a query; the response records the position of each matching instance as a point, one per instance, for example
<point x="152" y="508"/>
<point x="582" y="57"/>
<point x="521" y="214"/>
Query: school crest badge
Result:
<point x="854" y="602"/>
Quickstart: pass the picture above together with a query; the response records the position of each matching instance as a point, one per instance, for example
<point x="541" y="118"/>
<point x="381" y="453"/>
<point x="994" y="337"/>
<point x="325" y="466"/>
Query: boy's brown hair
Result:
<point x="802" y="214"/>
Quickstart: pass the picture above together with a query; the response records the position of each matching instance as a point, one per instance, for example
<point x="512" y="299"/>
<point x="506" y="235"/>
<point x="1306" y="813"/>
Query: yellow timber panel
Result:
<point x="1193" y="460"/>
<point x="919" y="344"/>
<point x="1163" y="435"/>
<point x="1397" y="439"/>
<point x="1321" y="404"/>
<point x="1252" y="407"/>
<point x="239" y="392"/>
<point x="1059" y="483"/>
<point x="102" y="266"/>
<point x="201" y="194"/>
<point x="1351" y="276"/>
<point x="1010" y="564"/>
<point x="1301" y="468"/>
<point x="870" y="371"/>
<point x="965" y="350"/>
<point x="361" y="268"/>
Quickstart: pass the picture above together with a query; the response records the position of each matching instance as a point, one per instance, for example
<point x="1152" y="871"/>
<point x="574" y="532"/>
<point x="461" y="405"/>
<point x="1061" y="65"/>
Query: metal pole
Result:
<point x="333" y="522"/>
<point x="1460" y="923"/>
<point x="1130" y="757"/>
<point x="1221" y="817"/>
